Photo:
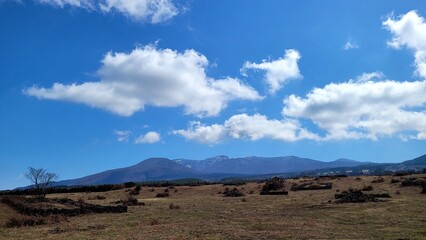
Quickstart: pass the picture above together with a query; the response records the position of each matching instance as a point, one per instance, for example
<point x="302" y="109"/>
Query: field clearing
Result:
<point x="206" y="214"/>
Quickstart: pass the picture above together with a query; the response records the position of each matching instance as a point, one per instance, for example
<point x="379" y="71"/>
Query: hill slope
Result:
<point x="150" y="169"/>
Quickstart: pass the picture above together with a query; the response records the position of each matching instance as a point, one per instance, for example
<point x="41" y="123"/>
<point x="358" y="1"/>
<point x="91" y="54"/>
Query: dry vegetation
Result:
<point x="202" y="212"/>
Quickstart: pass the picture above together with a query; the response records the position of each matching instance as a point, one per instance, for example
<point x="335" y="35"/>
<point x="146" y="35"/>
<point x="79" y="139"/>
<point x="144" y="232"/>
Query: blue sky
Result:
<point x="90" y="85"/>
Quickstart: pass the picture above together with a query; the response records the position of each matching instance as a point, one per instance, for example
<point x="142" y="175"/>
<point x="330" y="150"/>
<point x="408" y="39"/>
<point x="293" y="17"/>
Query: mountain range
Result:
<point x="219" y="167"/>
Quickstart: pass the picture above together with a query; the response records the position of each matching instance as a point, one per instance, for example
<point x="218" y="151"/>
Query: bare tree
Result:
<point x="41" y="179"/>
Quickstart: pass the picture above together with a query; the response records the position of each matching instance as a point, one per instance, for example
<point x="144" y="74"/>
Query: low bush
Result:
<point x="367" y="188"/>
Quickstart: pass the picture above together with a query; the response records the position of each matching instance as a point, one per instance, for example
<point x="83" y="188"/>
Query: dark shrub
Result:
<point x="393" y="180"/>
<point x="232" y="193"/>
<point x="311" y="186"/>
<point x="414" y="182"/>
<point x="368" y="188"/>
<point x="162" y="195"/>
<point x="274" y="186"/>
<point x="97" y="197"/>
<point x="353" y="197"/>
<point x="136" y="191"/>
<point x="24" y="222"/>
<point x="378" y="180"/>
<point x="356" y="196"/>
<point x="129" y="184"/>
<point x="130" y="201"/>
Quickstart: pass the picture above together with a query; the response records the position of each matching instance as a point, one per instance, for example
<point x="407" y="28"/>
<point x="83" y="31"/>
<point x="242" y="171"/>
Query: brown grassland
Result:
<point x="203" y="213"/>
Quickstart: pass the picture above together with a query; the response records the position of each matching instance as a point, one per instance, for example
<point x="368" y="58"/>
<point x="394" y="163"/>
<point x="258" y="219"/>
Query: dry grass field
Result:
<point x="204" y="213"/>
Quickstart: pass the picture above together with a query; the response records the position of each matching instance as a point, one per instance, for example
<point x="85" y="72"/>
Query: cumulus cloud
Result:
<point x="277" y="72"/>
<point x="156" y="77"/>
<point x="153" y="11"/>
<point x="251" y="127"/>
<point x="363" y="109"/>
<point x="409" y="30"/>
<point x="149" y="137"/>
<point x="350" y="45"/>
<point x="122" y="136"/>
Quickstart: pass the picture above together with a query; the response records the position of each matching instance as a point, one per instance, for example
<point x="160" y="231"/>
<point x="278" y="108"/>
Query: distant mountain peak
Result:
<point x="344" y="160"/>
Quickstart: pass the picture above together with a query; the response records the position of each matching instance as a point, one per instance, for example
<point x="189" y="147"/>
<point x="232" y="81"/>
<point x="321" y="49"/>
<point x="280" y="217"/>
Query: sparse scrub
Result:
<point x="173" y="206"/>
<point x="154" y="222"/>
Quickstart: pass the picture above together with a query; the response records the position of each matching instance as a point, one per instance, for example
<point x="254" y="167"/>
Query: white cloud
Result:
<point x="409" y="30"/>
<point x="88" y="4"/>
<point x="368" y="76"/>
<point x="122" y="136"/>
<point x="202" y="133"/>
<point x="259" y="126"/>
<point x="156" y="77"/>
<point x="278" y="72"/>
<point x="350" y="45"/>
<point x="363" y="109"/>
<point x="153" y="11"/>
<point x="149" y="137"/>
<point x="243" y="126"/>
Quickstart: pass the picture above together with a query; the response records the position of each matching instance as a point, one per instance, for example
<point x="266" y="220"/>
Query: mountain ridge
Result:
<point x="219" y="167"/>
